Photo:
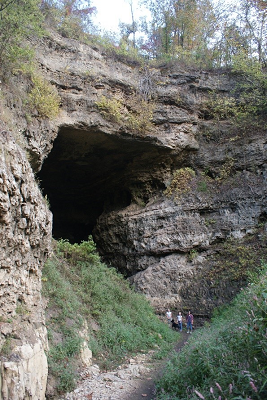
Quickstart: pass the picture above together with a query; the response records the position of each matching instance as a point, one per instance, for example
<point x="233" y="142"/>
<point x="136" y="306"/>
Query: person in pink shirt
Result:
<point x="189" y="322"/>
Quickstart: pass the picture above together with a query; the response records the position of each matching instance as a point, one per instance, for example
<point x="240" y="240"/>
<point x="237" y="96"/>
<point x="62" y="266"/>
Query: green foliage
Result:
<point x="226" y="169"/>
<point x="202" y="186"/>
<point x="126" y="53"/>
<point x="60" y="360"/>
<point x="72" y="18"/>
<point x="220" y="107"/>
<point x="79" y="287"/>
<point x="246" y="105"/>
<point x="19" y="20"/>
<point x="86" y="250"/>
<point x="226" y="359"/>
<point x="251" y="88"/>
<point x="6" y="348"/>
<point x="179" y="24"/>
<point x="136" y="115"/>
<point x="180" y="183"/>
<point x="192" y="254"/>
<point x="111" y="109"/>
<point x="140" y="115"/>
<point x="44" y="97"/>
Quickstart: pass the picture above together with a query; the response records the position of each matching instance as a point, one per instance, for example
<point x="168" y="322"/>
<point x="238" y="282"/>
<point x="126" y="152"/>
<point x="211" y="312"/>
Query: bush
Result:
<point x="44" y="97"/>
<point x="111" y="109"/>
<point x="180" y="183"/>
<point x="19" y="20"/>
<point x="136" y="115"/>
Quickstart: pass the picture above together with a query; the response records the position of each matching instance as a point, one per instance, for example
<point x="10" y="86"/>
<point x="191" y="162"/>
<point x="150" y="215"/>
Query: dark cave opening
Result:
<point x="89" y="172"/>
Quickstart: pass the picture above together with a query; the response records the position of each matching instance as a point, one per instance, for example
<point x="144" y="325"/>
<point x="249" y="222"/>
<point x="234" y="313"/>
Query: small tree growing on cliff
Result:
<point x="19" y="20"/>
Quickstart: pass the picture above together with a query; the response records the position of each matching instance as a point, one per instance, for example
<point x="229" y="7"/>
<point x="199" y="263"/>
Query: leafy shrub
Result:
<point x="19" y="19"/>
<point x="140" y="115"/>
<point x="136" y="116"/>
<point x="44" y="98"/>
<point x="220" y="107"/>
<point x="111" y="109"/>
<point x="246" y="104"/>
<point x="180" y="182"/>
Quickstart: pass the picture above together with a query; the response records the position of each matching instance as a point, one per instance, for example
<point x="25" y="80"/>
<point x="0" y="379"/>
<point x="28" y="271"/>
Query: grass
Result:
<point x="80" y="288"/>
<point x="227" y="359"/>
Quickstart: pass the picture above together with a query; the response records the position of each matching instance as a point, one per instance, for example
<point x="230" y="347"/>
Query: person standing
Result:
<point x="169" y="316"/>
<point x="189" y="322"/>
<point x="180" y="321"/>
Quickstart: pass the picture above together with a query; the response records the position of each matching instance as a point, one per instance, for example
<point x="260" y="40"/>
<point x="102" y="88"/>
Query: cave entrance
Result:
<point x="89" y="172"/>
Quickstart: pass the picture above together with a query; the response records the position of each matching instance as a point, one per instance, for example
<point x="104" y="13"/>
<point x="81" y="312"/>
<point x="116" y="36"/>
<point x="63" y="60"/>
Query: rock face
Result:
<point x="135" y="159"/>
<point x="116" y="180"/>
<point x="25" y="235"/>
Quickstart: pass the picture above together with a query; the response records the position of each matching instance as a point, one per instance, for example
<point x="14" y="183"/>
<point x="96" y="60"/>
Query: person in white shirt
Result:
<point x="180" y="321"/>
<point x="169" y="316"/>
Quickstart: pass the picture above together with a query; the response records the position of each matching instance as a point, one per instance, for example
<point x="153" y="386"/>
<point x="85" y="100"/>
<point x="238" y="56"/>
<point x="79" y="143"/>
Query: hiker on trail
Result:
<point x="180" y="321"/>
<point x="189" y="322"/>
<point x="169" y="316"/>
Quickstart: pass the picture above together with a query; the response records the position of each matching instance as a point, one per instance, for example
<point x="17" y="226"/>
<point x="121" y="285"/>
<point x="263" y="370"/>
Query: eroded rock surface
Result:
<point x="25" y="235"/>
<point x="111" y="179"/>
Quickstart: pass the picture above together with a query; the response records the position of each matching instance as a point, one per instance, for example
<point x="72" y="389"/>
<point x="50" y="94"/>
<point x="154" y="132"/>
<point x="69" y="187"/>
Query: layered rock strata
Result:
<point x="25" y="235"/>
<point x="164" y="242"/>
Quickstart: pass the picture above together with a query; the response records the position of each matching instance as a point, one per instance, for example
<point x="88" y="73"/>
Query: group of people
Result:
<point x="189" y="320"/>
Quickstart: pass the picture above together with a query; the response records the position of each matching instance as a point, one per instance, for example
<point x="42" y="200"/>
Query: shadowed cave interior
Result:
<point x="89" y="172"/>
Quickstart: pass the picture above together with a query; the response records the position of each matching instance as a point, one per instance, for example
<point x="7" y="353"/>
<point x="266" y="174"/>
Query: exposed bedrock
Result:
<point x="25" y="236"/>
<point x="103" y="178"/>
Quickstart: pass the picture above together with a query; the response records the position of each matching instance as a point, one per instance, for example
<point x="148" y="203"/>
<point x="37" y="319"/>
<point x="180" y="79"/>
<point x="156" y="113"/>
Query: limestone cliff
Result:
<point x="25" y="232"/>
<point x="110" y="170"/>
<point x="114" y="179"/>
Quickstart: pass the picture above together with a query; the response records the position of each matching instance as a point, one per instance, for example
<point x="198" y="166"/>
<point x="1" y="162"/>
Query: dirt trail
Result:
<point x="135" y="380"/>
<point x="146" y="389"/>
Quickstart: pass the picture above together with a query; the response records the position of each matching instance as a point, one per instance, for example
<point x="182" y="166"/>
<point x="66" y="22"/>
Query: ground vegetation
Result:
<point x="81" y="291"/>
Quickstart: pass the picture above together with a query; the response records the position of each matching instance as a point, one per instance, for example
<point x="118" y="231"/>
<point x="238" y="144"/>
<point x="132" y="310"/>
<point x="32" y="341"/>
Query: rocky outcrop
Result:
<point x="166" y="245"/>
<point x="25" y="235"/>
<point x="115" y="180"/>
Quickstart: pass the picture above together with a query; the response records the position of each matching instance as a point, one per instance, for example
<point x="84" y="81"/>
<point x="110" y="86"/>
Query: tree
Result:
<point x="181" y="26"/>
<point x="19" y="20"/>
<point x="160" y="30"/>
<point x="71" y="17"/>
<point x="243" y="29"/>
<point x="253" y="14"/>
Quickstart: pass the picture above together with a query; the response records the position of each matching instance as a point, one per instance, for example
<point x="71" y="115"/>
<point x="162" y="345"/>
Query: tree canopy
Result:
<point x="202" y="32"/>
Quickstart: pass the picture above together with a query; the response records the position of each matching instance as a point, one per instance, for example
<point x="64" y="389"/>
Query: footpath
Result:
<point x="134" y="380"/>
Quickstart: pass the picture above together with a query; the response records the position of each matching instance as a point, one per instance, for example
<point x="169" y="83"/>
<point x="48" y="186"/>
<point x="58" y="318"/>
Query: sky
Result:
<point x="111" y="12"/>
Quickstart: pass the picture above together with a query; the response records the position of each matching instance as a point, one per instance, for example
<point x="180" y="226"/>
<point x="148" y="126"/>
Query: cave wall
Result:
<point x="167" y="247"/>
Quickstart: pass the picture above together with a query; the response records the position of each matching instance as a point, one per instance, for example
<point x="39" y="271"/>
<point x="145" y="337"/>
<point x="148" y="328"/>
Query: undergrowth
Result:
<point x="80" y="288"/>
<point x="227" y="359"/>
